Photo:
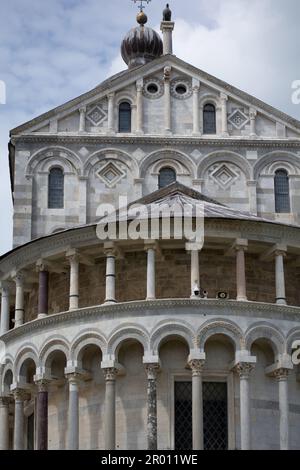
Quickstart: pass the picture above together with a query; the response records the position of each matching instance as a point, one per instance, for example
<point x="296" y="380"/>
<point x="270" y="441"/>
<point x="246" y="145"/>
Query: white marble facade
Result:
<point x="108" y="370"/>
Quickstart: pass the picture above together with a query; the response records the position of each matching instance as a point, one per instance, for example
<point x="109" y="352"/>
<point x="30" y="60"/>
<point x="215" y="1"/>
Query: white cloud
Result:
<point x="53" y="51"/>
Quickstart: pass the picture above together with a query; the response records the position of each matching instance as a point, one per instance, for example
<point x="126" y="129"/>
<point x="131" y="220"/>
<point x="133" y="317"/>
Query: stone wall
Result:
<point x="217" y="273"/>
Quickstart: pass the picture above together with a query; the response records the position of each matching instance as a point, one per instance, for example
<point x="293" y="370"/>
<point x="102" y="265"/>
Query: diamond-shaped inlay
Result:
<point x="111" y="174"/>
<point x="238" y="119"/>
<point x="96" y="115"/>
<point x="224" y="176"/>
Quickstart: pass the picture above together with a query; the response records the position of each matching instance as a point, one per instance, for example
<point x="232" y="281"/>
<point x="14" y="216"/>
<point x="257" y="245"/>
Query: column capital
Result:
<point x="223" y="97"/>
<point x="42" y="385"/>
<point x="74" y="378"/>
<point x="41" y="265"/>
<point x="82" y="109"/>
<point x="4" y="401"/>
<point x="150" y="245"/>
<point x="197" y="366"/>
<point x="252" y="113"/>
<point x="240" y="244"/>
<point x="111" y="95"/>
<point x="18" y="278"/>
<point x="110" y="373"/>
<point x="110" y="249"/>
<point x="281" y="374"/>
<point x="244" y="369"/>
<point x="72" y="255"/>
<point x="20" y="394"/>
<point x="152" y="370"/>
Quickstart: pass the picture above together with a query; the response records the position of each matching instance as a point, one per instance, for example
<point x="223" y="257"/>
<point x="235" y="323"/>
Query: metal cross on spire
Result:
<point x="141" y="6"/>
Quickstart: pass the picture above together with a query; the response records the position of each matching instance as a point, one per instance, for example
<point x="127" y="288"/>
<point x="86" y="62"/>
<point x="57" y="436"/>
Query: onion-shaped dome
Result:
<point x="141" y="44"/>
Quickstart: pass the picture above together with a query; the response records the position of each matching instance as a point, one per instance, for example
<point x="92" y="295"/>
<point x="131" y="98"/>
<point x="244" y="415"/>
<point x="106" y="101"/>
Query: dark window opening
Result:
<point x="167" y="176"/>
<point x="215" y="416"/>
<point x="282" y="192"/>
<point x="209" y="119"/>
<point x="56" y="189"/>
<point x="125" y="117"/>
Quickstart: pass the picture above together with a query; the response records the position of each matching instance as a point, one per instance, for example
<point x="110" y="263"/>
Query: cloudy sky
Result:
<point x="53" y="51"/>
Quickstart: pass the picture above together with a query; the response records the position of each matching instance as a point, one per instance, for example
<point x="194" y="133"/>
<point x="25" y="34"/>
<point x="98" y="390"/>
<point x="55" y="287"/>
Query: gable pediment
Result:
<point x="240" y="105"/>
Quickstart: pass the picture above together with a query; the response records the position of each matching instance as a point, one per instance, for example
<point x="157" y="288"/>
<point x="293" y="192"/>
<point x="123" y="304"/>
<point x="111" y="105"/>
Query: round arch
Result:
<point x="220" y="327"/>
<point x="83" y="340"/>
<point x="293" y="335"/>
<point x="224" y="157"/>
<point x="273" y="161"/>
<point x="52" y="345"/>
<point x="112" y="155"/>
<point x="50" y="156"/>
<point x="168" y="330"/>
<point x="125" y="333"/>
<point x="266" y="332"/>
<point x="184" y="163"/>
<point x="28" y="351"/>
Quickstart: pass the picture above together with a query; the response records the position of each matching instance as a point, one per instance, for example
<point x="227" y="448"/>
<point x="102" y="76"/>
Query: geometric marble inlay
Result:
<point x="238" y="119"/>
<point x="110" y="174"/>
<point x="224" y="176"/>
<point x="96" y="115"/>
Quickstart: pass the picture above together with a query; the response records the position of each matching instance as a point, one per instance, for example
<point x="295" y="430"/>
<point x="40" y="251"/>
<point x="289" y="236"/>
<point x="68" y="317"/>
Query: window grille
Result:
<point x="56" y="189"/>
<point x="282" y="192"/>
<point x="209" y="119"/>
<point x="125" y="117"/>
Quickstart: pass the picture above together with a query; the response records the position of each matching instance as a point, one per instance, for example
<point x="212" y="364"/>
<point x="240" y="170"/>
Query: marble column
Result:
<point x="111" y="112"/>
<point x="19" y="308"/>
<point x="139" y="107"/>
<point x="252" y="115"/>
<point x="73" y="412"/>
<point x="110" y="296"/>
<point x="167" y="28"/>
<point x="282" y="377"/>
<point x="197" y="403"/>
<point x="4" y="423"/>
<point x="74" y="281"/>
<point x="151" y="272"/>
<point x="280" y="278"/>
<point x="43" y="291"/>
<point x="195" y="276"/>
<point x="110" y="408"/>
<point x="244" y="370"/>
<point x="152" y="370"/>
<point x="241" y="247"/>
<point x="82" y="112"/>
<point x="196" y="108"/>
<point x="42" y="415"/>
<point x="19" y="396"/>
<point x="167" y="95"/>
<point x="224" y="99"/>
<point x="5" y="308"/>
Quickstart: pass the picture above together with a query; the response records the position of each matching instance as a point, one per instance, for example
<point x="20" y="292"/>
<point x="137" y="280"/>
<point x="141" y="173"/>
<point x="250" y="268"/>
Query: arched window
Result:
<point x="282" y="192"/>
<point x="56" y="189"/>
<point x="125" y="117"/>
<point x="166" y="177"/>
<point x="209" y="119"/>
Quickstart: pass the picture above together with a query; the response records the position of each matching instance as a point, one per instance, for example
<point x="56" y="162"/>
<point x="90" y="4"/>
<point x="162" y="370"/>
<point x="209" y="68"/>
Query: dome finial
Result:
<point x="141" y="16"/>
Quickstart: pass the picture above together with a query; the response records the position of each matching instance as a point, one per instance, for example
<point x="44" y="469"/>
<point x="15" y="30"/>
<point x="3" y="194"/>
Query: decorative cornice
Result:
<point x="155" y="140"/>
<point x="145" y="308"/>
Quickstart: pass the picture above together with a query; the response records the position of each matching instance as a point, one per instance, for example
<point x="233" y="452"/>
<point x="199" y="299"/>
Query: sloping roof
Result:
<point x="119" y="78"/>
<point x="176" y="197"/>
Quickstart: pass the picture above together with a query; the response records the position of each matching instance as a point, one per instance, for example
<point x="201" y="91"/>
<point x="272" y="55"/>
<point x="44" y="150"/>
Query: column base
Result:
<point x="242" y="299"/>
<point x="150" y="298"/>
<point x="196" y="134"/>
<point x="281" y="301"/>
<point x="110" y="302"/>
<point x="42" y="315"/>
